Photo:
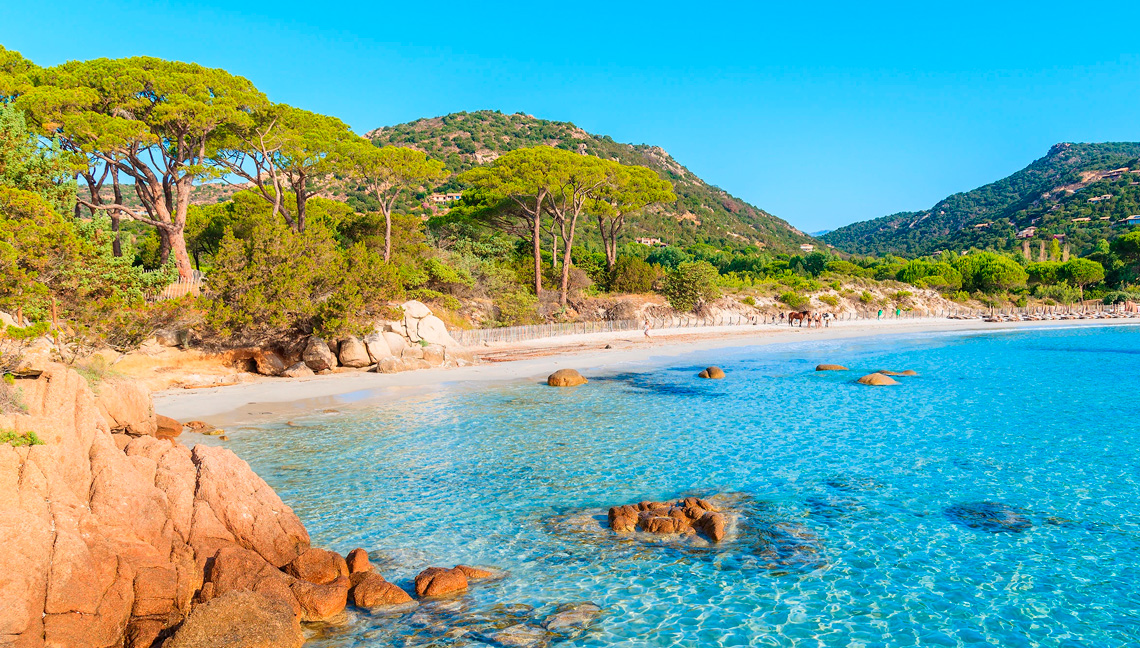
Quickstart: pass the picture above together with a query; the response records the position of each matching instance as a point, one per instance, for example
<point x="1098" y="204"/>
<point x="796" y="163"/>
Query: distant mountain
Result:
<point x="818" y="233"/>
<point x="1081" y="191"/>
<point x="702" y="213"/>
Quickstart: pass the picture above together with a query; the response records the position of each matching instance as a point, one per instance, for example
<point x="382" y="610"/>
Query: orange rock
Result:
<point x="715" y="373"/>
<point x="242" y="619"/>
<point x="371" y="590"/>
<point x="623" y="519"/>
<point x="473" y="573"/>
<point x="167" y="428"/>
<point x="318" y="566"/>
<point x="830" y="367"/>
<point x="877" y="380"/>
<point x="357" y="561"/>
<point x="712" y="526"/>
<point x="437" y="581"/>
<point x="566" y="378"/>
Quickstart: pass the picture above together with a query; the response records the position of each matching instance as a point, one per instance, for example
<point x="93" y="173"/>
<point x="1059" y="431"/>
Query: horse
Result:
<point x="799" y="316"/>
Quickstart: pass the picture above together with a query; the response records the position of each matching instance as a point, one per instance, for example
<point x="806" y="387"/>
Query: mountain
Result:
<point x="703" y="213"/>
<point x="1063" y="193"/>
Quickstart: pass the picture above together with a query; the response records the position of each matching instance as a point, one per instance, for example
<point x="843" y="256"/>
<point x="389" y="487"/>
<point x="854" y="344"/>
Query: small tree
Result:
<point x="1082" y="272"/>
<point x="388" y="173"/>
<point x="627" y="190"/>
<point x="691" y="284"/>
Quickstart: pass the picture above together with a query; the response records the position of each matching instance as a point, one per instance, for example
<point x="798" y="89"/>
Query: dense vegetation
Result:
<point x="329" y="232"/>
<point x="1048" y="194"/>
<point x="702" y="213"/>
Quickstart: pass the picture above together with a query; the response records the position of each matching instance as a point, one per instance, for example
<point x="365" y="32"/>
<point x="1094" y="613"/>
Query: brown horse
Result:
<point x="799" y="316"/>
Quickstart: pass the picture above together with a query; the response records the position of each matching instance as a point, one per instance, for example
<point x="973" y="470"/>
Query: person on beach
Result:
<point x="647" y="329"/>
<point x="880" y="313"/>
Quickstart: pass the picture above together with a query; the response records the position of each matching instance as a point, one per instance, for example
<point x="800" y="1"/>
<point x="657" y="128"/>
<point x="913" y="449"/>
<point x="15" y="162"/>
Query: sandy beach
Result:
<point x="273" y="399"/>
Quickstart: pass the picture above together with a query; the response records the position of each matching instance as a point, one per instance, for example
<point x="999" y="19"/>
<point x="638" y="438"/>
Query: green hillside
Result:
<point x="1048" y="194"/>
<point x="702" y="214"/>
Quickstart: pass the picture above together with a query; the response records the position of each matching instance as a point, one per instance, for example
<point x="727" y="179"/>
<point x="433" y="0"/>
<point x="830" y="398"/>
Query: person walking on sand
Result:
<point x="646" y="329"/>
<point x="880" y="313"/>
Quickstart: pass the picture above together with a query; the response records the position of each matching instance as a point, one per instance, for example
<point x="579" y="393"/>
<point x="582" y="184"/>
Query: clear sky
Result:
<point x="820" y="113"/>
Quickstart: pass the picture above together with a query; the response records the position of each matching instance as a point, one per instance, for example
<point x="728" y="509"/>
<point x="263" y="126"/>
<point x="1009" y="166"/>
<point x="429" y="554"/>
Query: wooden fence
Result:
<point x="508" y="334"/>
<point x="179" y="288"/>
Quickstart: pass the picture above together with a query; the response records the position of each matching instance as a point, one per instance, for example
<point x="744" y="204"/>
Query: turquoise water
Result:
<point x="992" y="500"/>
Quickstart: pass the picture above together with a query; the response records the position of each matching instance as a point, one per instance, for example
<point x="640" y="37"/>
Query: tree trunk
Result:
<point x="387" y="234"/>
<point x="568" y="244"/>
<point x="609" y="242"/>
<point x="181" y="259"/>
<point x="553" y="248"/>
<point x="538" y="252"/>
<point x="164" y="246"/>
<point x="117" y="244"/>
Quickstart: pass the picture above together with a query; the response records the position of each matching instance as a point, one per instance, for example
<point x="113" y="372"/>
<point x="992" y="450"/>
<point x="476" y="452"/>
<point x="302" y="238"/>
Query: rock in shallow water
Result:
<point x="437" y="581"/>
<point x="572" y="619"/>
<point x="877" y="380"/>
<point x="993" y="517"/>
<point x="566" y="378"/>
<point x="830" y="367"/>
<point x="714" y="373"/>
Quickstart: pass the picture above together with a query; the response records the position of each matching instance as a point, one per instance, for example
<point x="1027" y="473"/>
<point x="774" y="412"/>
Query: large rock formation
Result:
<point x="110" y="536"/>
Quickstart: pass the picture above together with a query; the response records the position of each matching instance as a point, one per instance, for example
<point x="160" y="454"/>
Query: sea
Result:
<point x="991" y="500"/>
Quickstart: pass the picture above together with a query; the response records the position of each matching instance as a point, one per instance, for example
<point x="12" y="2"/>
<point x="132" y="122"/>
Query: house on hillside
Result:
<point x="650" y="241"/>
<point x="1028" y="232"/>
<point x="981" y="225"/>
<point x="1132" y="220"/>
<point x="1101" y="198"/>
<point x="440" y="198"/>
<point x="1083" y="219"/>
<point x="807" y="247"/>
<point x="1115" y="173"/>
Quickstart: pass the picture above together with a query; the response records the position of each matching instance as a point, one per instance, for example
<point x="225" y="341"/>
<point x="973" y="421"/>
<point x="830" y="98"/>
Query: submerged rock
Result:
<point x="888" y="372"/>
<point x="830" y="367"/>
<point x="566" y="378"/>
<point x="993" y="517"/>
<point x="522" y="635"/>
<point x="570" y="620"/>
<point x="714" y="373"/>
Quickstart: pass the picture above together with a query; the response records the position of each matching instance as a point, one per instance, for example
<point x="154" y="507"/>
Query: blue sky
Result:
<point x="822" y="114"/>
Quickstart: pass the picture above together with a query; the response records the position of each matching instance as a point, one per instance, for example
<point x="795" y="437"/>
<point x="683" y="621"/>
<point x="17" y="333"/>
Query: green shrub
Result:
<point x="1060" y="293"/>
<point x="515" y="308"/>
<point x="866" y="297"/>
<point x="830" y="300"/>
<point x="1120" y="296"/>
<point x="748" y="301"/>
<point x="690" y="284"/>
<point x="632" y="275"/>
<point x="794" y="299"/>
<point x="19" y="440"/>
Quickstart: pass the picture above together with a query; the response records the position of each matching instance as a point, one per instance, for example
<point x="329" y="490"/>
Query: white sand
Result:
<point x="280" y="398"/>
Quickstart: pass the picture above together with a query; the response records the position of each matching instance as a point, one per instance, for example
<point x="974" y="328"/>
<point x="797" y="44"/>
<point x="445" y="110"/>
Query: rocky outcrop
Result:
<point x="830" y="367"/>
<point x="566" y="378"/>
<point x="688" y="516"/>
<point x="299" y="370"/>
<point x="126" y="407"/>
<point x="714" y="373"/>
<point x="109" y="539"/>
<point x="419" y="324"/>
<point x="371" y="591"/>
<point x="877" y="380"/>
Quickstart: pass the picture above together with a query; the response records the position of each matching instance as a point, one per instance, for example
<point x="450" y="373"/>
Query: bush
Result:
<point x="866" y="297"/>
<point x="1119" y="297"/>
<point x="830" y="300"/>
<point x="690" y="284"/>
<point x="283" y="283"/>
<point x="1061" y="293"/>
<point x="19" y="440"/>
<point x="515" y="308"/>
<point x="632" y="275"/>
<point x="794" y="299"/>
<point x="748" y="301"/>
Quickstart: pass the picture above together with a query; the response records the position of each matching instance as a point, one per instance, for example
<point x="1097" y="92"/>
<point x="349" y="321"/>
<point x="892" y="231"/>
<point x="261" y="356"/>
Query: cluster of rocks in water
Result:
<point x="417" y="341"/>
<point x="877" y="378"/>
<point x="688" y="516"/>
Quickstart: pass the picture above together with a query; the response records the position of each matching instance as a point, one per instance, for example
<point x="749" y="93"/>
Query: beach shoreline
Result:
<point x="276" y="399"/>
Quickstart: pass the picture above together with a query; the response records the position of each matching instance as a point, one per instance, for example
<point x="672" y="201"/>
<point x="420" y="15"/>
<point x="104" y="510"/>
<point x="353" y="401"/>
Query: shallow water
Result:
<point x="992" y="500"/>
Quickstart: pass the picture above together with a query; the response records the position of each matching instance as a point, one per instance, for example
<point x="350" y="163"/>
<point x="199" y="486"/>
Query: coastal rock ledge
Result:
<point x="110" y="536"/>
